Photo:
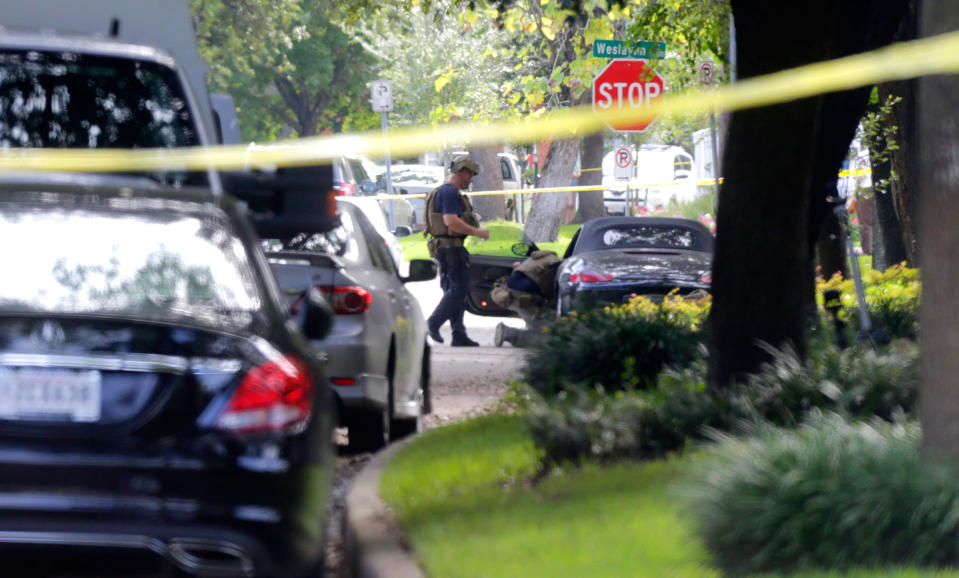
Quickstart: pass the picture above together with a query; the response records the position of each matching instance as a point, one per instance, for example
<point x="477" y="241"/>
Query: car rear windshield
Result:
<point x="141" y="258"/>
<point x="72" y="100"/>
<point x="648" y="236"/>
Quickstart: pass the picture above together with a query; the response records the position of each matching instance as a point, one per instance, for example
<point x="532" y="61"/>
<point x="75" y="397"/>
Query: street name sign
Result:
<point x="620" y="49"/>
<point x="626" y="85"/>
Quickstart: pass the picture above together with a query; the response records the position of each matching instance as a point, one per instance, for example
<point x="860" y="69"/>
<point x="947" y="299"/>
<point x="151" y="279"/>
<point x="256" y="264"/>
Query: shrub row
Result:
<point x="892" y="298"/>
<point x="830" y="494"/>
<point x="617" y="348"/>
<point x="588" y="422"/>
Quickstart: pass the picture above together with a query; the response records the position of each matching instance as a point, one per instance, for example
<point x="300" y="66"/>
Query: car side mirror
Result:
<point x="289" y="201"/>
<point x="319" y="315"/>
<point x="420" y="270"/>
<point x="368" y="187"/>
<point x="523" y="249"/>
<point x="402" y="231"/>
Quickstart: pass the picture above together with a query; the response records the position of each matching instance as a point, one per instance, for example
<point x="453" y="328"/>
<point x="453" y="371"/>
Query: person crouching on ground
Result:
<point x="449" y="220"/>
<point x="530" y="291"/>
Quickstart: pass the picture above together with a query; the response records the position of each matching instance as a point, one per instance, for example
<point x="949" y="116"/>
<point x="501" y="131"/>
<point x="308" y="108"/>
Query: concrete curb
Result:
<point x="372" y="547"/>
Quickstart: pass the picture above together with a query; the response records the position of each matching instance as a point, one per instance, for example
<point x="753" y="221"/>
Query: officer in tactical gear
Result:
<point x="449" y="220"/>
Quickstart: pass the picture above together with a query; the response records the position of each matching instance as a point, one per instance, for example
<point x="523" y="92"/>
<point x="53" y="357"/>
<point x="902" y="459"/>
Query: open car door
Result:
<point x="484" y="271"/>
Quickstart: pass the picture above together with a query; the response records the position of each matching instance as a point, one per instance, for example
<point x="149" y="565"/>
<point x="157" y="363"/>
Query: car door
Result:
<point x="484" y="271"/>
<point x="404" y="312"/>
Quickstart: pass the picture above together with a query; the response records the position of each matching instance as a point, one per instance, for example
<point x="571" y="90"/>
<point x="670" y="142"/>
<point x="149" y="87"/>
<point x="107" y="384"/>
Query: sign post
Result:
<point x="381" y="96"/>
<point x="707" y="76"/>
<point x="626" y="84"/>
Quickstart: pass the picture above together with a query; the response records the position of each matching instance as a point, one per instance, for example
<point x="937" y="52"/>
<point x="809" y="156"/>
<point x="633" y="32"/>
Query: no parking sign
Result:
<point x="623" y="163"/>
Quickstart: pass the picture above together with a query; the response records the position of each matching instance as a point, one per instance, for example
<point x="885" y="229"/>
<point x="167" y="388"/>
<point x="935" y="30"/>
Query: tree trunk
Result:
<point x="490" y="178"/>
<point x="939" y="237"/>
<point x="591" y="156"/>
<point x="838" y="118"/>
<point x="776" y="169"/>
<point x="888" y="248"/>
<point x="546" y="211"/>
<point x="831" y="248"/>
<point x="904" y="188"/>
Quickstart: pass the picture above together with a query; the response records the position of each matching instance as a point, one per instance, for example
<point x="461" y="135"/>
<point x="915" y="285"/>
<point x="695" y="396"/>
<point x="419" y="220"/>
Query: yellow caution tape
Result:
<point x="934" y="55"/>
<point x="571" y="189"/>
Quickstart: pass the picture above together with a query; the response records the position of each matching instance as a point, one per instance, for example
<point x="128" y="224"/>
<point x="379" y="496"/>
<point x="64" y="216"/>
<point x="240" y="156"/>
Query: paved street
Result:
<point x="480" y="329"/>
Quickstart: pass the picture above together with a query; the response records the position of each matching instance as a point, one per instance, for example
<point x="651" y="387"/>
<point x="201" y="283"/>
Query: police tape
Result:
<point x="621" y="185"/>
<point x="934" y="55"/>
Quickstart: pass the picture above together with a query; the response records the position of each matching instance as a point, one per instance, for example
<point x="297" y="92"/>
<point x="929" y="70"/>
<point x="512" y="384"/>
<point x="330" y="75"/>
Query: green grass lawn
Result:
<point x="503" y="235"/>
<point x="462" y="496"/>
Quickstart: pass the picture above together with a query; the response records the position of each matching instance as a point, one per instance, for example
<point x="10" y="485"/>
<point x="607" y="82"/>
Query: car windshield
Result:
<point x="341" y="241"/>
<point x="649" y="236"/>
<point x="72" y="100"/>
<point x="423" y="174"/>
<point x="142" y="258"/>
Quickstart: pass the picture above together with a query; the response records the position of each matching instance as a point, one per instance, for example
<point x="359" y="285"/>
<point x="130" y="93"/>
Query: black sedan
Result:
<point x="609" y="260"/>
<point x="157" y="412"/>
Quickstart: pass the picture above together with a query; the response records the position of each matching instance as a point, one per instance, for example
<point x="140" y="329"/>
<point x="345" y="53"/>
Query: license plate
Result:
<point x="47" y="394"/>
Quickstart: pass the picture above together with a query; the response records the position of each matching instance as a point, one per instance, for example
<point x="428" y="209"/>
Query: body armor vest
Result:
<point x="434" y="219"/>
<point x="541" y="267"/>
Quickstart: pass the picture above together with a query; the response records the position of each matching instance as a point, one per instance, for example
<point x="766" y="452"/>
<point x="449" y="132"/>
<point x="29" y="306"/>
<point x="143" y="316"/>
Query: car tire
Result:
<point x="407" y="426"/>
<point x="425" y="375"/>
<point x="369" y="431"/>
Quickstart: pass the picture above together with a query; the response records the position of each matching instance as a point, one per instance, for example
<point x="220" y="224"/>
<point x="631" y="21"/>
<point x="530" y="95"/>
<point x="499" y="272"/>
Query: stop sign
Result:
<point x="626" y="85"/>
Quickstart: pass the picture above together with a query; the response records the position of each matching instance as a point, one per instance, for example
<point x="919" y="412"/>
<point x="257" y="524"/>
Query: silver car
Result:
<point x="377" y="357"/>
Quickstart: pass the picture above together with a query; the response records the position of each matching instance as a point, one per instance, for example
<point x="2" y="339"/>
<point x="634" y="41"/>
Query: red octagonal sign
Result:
<point x="626" y="85"/>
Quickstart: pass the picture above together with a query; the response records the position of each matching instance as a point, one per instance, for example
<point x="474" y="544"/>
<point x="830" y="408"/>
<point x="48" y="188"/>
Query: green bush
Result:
<point x="892" y="298"/>
<point x="859" y="382"/>
<point x="583" y="423"/>
<point x="588" y="422"/>
<point x="830" y="494"/>
<point x="617" y="348"/>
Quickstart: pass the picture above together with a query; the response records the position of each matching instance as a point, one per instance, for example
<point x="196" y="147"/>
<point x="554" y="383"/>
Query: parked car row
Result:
<point x="166" y="406"/>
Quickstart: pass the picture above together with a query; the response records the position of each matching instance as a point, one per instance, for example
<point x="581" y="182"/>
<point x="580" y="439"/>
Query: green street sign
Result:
<point x="620" y="49"/>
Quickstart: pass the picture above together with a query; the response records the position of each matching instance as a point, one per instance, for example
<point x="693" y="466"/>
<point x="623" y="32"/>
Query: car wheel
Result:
<point x="563" y="305"/>
<point x="369" y="431"/>
<point x="406" y="426"/>
<point x="425" y="376"/>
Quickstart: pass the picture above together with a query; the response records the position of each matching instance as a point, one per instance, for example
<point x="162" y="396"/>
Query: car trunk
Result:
<point x="95" y="414"/>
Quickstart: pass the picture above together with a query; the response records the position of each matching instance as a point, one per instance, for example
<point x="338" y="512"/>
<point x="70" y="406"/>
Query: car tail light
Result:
<point x="273" y="397"/>
<point x="588" y="275"/>
<point x="347" y="300"/>
<point x="345" y="189"/>
<point x="342" y="381"/>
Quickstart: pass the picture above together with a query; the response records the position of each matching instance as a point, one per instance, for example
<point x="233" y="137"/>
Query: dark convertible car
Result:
<point x="610" y="260"/>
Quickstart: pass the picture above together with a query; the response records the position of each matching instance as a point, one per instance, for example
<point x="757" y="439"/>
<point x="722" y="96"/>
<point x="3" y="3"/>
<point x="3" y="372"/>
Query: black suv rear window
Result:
<point x="71" y="100"/>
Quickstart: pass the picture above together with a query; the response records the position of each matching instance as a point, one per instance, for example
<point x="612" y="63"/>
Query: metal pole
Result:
<point x="865" y="321"/>
<point x="389" y="176"/>
<point x="732" y="49"/>
<point x="715" y="147"/>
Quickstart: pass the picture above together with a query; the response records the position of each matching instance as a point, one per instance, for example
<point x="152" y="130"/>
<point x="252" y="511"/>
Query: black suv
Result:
<point x="156" y="404"/>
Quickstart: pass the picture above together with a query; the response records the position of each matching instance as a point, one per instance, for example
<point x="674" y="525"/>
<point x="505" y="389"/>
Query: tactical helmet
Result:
<point x="464" y="162"/>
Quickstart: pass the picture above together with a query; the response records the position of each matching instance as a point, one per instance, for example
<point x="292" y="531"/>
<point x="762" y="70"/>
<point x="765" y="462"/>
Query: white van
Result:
<point x="663" y="174"/>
